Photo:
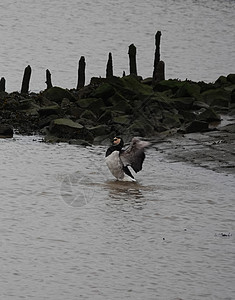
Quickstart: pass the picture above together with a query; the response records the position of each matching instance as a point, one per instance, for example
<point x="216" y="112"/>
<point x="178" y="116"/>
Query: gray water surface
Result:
<point x="198" y="38"/>
<point x="70" y="231"/>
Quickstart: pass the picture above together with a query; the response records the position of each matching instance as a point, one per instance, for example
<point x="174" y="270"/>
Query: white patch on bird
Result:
<point x="115" y="166"/>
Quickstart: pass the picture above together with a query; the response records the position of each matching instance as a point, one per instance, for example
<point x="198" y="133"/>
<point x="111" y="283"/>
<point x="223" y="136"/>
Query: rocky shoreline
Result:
<point x="124" y="106"/>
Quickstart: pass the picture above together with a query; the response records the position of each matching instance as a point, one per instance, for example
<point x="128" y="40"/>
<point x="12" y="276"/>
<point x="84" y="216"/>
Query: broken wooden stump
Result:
<point x="48" y="79"/>
<point x="81" y="72"/>
<point x="2" y="85"/>
<point x="160" y="72"/>
<point x="109" y="67"/>
<point x="159" y="66"/>
<point x="132" y="59"/>
<point x="26" y="80"/>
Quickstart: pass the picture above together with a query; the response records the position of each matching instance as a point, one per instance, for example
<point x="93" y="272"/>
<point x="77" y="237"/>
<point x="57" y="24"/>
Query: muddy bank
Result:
<point x="124" y="106"/>
<point x="213" y="150"/>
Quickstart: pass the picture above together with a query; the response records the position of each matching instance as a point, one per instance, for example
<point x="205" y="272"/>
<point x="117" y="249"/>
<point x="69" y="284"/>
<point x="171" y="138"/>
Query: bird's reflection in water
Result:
<point x="125" y="195"/>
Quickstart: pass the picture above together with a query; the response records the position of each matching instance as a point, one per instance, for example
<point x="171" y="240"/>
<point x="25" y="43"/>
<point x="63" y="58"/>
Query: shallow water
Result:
<point x="197" y="38"/>
<point x="69" y="231"/>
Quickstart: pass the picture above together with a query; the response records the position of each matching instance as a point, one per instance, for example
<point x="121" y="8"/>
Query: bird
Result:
<point x="118" y="160"/>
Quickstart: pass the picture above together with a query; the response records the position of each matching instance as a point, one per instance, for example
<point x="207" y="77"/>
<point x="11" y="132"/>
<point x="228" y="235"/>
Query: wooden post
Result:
<point x="2" y="85"/>
<point x="26" y="80"/>
<point x="48" y="79"/>
<point x="157" y="51"/>
<point x="81" y="72"/>
<point x="160" y="72"/>
<point x="132" y="59"/>
<point x="109" y="67"/>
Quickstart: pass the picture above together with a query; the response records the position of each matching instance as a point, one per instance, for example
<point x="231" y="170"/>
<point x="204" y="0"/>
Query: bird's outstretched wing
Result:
<point x="134" y="155"/>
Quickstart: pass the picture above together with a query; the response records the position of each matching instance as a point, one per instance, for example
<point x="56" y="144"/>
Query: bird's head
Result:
<point x="118" y="142"/>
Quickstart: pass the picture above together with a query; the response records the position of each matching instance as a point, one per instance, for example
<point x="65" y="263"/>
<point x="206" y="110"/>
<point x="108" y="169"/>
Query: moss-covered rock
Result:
<point x="208" y="115"/>
<point x="57" y="94"/>
<point x="132" y="83"/>
<point x="233" y="97"/>
<point x="171" y="84"/>
<point x="217" y="97"/>
<point x="141" y="127"/>
<point x="187" y="115"/>
<point x="96" y="105"/>
<point x="188" y="90"/>
<point x="119" y="103"/>
<point x="49" y="110"/>
<point x="231" y="78"/>
<point x="66" y="128"/>
<point x="6" y="131"/>
<point x="104" y="91"/>
<point x="106" y="117"/>
<point x="99" y="130"/>
<point x="122" y="119"/>
<point x="183" y="102"/>
<point x="197" y="126"/>
<point x="171" y="119"/>
<point x="221" y="81"/>
<point x="89" y="115"/>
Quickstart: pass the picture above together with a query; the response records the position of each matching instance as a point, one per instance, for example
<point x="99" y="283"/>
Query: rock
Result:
<point x="49" y="110"/>
<point x="171" y="120"/>
<point x="208" y="115"/>
<point x="132" y="84"/>
<point x="183" y="103"/>
<point x="147" y="81"/>
<point x="104" y="91"/>
<point x="228" y="128"/>
<point x="140" y="127"/>
<point x="119" y="103"/>
<point x="188" y="90"/>
<point x="99" y="130"/>
<point x="199" y="105"/>
<point x="233" y="97"/>
<point x="188" y="116"/>
<point x="221" y="81"/>
<point x="231" y="78"/>
<point x="217" y="97"/>
<point x="57" y="94"/>
<point x="106" y="117"/>
<point x="89" y="115"/>
<point x="122" y="119"/>
<point x="6" y="131"/>
<point x="171" y="84"/>
<point x="96" y="105"/>
<point x="197" y="126"/>
<point x="66" y="128"/>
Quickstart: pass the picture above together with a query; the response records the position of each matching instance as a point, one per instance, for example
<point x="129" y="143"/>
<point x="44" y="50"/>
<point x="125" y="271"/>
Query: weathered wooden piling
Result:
<point x="81" y="72"/>
<point x="48" y="79"/>
<point x="157" y="50"/>
<point x="158" y="70"/>
<point x="2" y="85"/>
<point x="109" y="67"/>
<point x="26" y="80"/>
<point x="132" y="59"/>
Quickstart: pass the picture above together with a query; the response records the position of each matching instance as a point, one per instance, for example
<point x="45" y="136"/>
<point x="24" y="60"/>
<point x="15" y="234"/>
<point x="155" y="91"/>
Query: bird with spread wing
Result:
<point x="119" y="160"/>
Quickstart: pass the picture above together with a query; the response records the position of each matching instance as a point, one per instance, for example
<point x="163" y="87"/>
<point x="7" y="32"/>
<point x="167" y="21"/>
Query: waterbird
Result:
<point x="118" y="160"/>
